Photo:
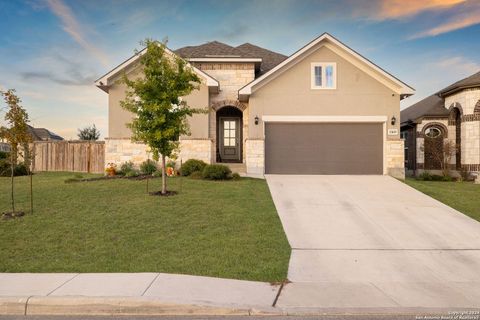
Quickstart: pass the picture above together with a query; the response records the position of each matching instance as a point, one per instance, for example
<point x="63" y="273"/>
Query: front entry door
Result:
<point x="230" y="139"/>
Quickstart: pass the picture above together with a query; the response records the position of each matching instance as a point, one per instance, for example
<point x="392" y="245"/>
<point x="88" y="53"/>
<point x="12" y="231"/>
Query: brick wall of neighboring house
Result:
<point x="409" y="136"/>
<point x="232" y="77"/>
<point x="467" y="100"/>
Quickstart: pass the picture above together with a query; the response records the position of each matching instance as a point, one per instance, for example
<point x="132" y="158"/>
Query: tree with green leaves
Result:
<point x="156" y="100"/>
<point x="89" y="133"/>
<point x="16" y="133"/>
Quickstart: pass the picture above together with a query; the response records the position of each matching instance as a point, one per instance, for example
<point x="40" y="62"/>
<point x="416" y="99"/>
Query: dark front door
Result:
<point x="229" y="139"/>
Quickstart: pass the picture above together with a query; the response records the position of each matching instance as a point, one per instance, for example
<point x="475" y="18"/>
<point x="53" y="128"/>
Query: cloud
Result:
<point x="459" y="64"/>
<point x="45" y="75"/>
<point x="398" y="9"/>
<point x="75" y="30"/>
<point x="467" y="15"/>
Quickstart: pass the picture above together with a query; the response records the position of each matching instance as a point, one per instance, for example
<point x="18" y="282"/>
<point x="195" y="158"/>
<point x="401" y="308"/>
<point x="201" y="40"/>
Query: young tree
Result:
<point x="155" y="99"/>
<point x="440" y="153"/>
<point x="16" y="133"/>
<point x="89" y="133"/>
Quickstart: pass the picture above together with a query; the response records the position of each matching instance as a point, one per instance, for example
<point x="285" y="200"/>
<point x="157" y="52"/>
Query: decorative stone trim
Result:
<point x="476" y="110"/>
<point x="255" y="156"/>
<point x="434" y="124"/>
<point x="471" y="167"/>
<point x="224" y="66"/>
<point x="228" y="103"/>
<point x="471" y="117"/>
<point x="451" y="117"/>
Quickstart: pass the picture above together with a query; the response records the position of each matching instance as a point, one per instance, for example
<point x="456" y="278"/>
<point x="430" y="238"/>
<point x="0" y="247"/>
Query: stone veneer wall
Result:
<point x="255" y="156"/>
<point x="122" y="150"/>
<point x="232" y="77"/>
<point x="395" y="158"/>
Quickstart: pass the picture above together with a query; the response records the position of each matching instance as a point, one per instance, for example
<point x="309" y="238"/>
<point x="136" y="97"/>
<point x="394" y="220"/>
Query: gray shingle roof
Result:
<point x="468" y="82"/>
<point x="247" y="50"/>
<point x="269" y="58"/>
<point x="42" y="134"/>
<point x="430" y="106"/>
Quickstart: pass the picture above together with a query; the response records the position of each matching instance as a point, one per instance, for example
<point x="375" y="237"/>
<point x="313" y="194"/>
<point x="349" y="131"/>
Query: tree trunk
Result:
<point x="12" y="175"/>
<point x="164" y="176"/>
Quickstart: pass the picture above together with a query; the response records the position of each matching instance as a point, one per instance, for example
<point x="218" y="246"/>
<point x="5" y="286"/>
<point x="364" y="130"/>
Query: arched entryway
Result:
<point x="433" y="144"/>
<point x="229" y="124"/>
<point x="456" y="119"/>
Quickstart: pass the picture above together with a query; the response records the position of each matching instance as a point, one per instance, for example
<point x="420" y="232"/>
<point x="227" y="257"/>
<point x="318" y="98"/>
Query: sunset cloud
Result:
<point x="397" y="9"/>
<point x="75" y="30"/>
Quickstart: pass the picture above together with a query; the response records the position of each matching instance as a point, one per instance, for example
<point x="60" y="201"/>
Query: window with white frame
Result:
<point x="324" y="75"/>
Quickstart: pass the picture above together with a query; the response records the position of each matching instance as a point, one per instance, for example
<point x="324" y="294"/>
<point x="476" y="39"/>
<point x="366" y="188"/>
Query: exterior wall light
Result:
<point x="394" y="120"/>
<point x="256" y="120"/>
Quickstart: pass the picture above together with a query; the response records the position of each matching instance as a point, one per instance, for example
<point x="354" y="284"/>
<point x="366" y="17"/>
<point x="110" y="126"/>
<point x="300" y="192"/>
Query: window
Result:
<point x="433" y="132"/>
<point x="229" y="132"/>
<point x="324" y="75"/>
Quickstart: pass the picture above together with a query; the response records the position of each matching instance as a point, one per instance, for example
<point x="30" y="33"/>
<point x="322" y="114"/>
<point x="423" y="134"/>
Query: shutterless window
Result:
<point x="324" y="75"/>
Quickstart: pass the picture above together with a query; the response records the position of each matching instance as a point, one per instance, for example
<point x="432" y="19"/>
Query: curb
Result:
<point x="81" y="305"/>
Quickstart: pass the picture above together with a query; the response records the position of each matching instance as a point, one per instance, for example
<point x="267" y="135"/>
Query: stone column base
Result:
<point x="255" y="156"/>
<point x="395" y="158"/>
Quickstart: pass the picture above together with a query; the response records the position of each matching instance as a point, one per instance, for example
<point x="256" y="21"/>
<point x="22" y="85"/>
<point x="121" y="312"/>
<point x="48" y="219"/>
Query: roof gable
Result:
<point x="342" y="50"/>
<point x="104" y="82"/>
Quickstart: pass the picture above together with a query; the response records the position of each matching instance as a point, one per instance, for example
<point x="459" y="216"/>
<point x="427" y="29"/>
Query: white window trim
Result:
<point x="324" y="78"/>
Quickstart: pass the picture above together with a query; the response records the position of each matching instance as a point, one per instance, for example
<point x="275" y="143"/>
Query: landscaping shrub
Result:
<point x="157" y="173"/>
<point x="192" y="165"/>
<point x="4" y="155"/>
<point x="236" y="176"/>
<point x="125" y="168"/>
<point x="196" y="175"/>
<point x="21" y="169"/>
<point x="132" y="173"/>
<point x="216" y="172"/>
<point x="5" y="170"/>
<point x="148" y="167"/>
<point x="425" y="176"/>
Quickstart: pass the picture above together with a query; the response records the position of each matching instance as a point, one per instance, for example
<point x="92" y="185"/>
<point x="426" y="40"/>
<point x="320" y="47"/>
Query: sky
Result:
<point x="52" y="51"/>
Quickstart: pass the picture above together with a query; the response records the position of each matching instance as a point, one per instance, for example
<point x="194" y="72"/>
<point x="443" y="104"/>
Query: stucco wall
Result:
<point x="356" y="93"/>
<point x="118" y="117"/>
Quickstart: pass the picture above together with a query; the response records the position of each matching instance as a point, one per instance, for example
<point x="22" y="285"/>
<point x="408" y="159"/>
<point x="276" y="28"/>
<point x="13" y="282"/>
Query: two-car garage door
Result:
<point x="323" y="148"/>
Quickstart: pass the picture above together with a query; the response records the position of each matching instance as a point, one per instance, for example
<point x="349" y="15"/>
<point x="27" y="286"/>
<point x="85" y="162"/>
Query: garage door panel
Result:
<point x="324" y="148"/>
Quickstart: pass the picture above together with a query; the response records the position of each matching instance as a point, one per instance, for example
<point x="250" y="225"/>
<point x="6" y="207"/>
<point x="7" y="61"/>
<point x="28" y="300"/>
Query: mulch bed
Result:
<point x="12" y="215"/>
<point x="159" y="193"/>
<point x="139" y="177"/>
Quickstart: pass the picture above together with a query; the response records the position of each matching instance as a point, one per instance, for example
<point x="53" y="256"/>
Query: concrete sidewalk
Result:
<point x="131" y="293"/>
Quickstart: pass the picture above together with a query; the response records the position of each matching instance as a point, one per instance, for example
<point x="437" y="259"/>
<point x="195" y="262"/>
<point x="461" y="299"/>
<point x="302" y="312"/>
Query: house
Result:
<point x="42" y="134"/>
<point x="323" y="110"/>
<point x="451" y="114"/>
<point x="4" y="147"/>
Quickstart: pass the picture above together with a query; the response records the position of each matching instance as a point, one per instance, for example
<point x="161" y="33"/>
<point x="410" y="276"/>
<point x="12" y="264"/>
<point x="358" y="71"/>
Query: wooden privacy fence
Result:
<point x="76" y="156"/>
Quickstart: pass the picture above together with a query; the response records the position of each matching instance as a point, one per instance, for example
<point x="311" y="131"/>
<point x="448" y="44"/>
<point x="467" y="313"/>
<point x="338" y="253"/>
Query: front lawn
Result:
<point x="463" y="196"/>
<point x="223" y="229"/>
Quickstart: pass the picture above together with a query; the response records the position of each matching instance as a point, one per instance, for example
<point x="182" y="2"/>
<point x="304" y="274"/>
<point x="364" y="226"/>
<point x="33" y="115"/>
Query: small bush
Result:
<point x="196" y="175"/>
<point x="4" y="168"/>
<point x="132" y="173"/>
<point x="148" y="167"/>
<point x="425" y="176"/>
<point x="4" y="155"/>
<point x="125" y="168"/>
<point x="216" y="172"/>
<point x="192" y="165"/>
<point x="236" y="176"/>
<point x="157" y="173"/>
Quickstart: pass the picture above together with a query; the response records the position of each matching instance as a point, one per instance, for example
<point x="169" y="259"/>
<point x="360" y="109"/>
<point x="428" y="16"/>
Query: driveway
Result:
<point x="374" y="242"/>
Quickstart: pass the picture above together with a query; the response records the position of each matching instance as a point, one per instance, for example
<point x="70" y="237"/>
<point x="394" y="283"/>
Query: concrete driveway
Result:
<point x="374" y="242"/>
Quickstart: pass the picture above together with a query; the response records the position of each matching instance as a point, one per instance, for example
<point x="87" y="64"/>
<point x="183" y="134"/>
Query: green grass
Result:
<point x="463" y="196"/>
<point x="222" y="229"/>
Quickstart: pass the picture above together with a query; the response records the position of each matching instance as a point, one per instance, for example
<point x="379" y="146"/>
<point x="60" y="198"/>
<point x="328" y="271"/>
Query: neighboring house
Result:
<point x="450" y="114"/>
<point x="323" y="110"/>
<point x="4" y="147"/>
<point x="42" y="134"/>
